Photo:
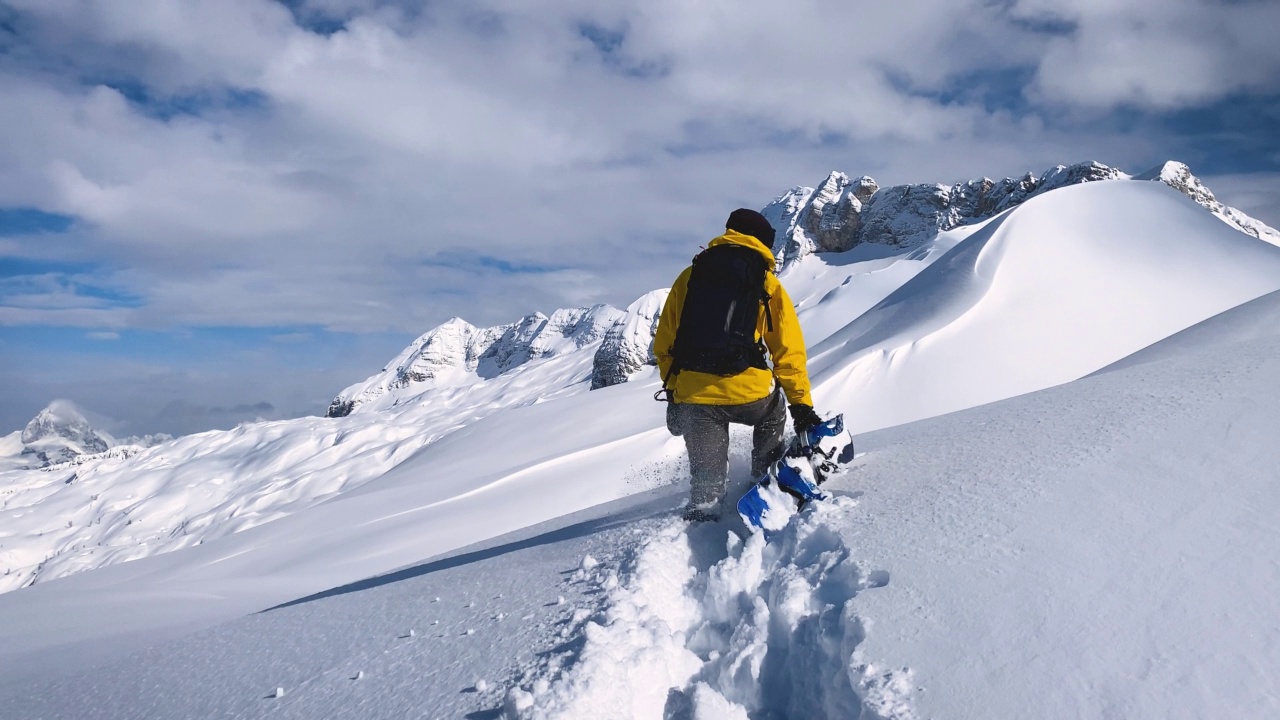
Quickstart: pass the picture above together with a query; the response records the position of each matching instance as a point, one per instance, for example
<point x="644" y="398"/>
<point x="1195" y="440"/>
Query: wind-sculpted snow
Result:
<point x="1077" y="552"/>
<point x="1250" y="321"/>
<point x="1049" y="292"/>
<point x="1056" y="288"/>
<point x="705" y="625"/>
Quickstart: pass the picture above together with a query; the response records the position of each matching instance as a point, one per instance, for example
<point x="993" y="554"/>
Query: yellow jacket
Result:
<point x="785" y="345"/>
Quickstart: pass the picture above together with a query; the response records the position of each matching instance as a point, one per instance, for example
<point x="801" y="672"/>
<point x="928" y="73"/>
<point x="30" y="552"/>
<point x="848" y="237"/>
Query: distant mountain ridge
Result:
<point x="839" y="214"/>
<point x="60" y="434"/>
<point x="457" y="351"/>
<point x="896" y="333"/>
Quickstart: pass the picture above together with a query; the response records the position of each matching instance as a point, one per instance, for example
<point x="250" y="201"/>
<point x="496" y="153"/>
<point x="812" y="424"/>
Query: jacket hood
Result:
<point x="733" y="237"/>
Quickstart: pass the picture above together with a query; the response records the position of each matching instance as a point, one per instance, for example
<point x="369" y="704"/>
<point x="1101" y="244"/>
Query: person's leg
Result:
<point x="768" y="418"/>
<point x="766" y="445"/>
<point x="706" y="437"/>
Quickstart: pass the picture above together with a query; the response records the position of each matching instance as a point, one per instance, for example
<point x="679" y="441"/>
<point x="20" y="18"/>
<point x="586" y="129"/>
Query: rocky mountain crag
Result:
<point x="843" y="213"/>
<point x="628" y="345"/>
<point x="1178" y="176"/>
<point x="60" y="433"/>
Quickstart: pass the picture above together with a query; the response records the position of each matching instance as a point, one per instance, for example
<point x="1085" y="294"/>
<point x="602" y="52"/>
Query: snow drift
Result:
<point x="1050" y="291"/>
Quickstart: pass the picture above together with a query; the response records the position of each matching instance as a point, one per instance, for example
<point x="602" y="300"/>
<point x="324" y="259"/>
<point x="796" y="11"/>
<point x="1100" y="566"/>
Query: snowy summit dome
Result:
<point x="60" y="432"/>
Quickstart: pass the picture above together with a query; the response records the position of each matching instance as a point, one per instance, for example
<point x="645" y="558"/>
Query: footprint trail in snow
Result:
<point x="701" y="624"/>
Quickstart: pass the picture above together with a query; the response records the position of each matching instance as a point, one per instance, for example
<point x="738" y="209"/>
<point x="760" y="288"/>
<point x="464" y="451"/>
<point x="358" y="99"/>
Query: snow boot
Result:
<point x="702" y="512"/>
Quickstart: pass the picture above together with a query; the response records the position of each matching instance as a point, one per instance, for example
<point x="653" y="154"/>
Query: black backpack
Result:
<point x="717" y="331"/>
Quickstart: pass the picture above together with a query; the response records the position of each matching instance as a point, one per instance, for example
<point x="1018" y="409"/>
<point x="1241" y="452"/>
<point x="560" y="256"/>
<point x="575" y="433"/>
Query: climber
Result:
<point x="724" y="313"/>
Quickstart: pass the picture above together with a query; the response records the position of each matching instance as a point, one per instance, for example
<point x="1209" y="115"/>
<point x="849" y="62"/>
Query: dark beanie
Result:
<point x="750" y="222"/>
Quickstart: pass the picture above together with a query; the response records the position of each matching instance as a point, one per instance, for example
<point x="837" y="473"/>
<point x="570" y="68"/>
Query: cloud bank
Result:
<point x="362" y="167"/>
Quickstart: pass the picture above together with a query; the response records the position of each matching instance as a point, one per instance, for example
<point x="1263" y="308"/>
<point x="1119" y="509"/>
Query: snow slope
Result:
<point x="1097" y="549"/>
<point x="1255" y="319"/>
<point x="1100" y="549"/>
<point x="11" y="448"/>
<point x="1059" y="287"/>
<point x="1056" y="288"/>
<point x="201" y="487"/>
<point x="113" y="508"/>
<point x="1052" y="290"/>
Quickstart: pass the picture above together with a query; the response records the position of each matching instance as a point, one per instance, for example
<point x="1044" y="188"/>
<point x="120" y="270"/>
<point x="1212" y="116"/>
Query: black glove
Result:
<point x="803" y="417"/>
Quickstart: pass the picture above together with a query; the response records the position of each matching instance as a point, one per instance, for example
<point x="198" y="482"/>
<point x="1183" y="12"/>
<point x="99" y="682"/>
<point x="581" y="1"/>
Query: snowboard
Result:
<point x="793" y="481"/>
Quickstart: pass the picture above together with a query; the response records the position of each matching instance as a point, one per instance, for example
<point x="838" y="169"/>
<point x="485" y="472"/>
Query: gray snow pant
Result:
<point x="706" y="436"/>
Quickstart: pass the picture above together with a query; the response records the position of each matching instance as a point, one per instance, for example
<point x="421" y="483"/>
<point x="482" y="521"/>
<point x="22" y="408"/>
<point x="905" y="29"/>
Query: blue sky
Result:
<point x="218" y="210"/>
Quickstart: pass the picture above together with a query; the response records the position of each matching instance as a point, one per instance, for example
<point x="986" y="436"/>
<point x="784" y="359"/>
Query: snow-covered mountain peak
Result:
<point x="842" y="213"/>
<point x="457" y="352"/>
<point x="628" y="345"/>
<point x="60" y="433"/>
<point x="1179" y="177"/>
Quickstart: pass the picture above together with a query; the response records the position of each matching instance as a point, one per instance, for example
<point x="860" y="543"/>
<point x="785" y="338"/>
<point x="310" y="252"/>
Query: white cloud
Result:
<point x="499" y="128"/>
<point x="1173" y="54"/>
<point x="245" y="172"/>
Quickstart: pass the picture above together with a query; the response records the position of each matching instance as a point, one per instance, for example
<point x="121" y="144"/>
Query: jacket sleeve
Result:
<point x="668" y="322"/>
<point x="786" y="347"/>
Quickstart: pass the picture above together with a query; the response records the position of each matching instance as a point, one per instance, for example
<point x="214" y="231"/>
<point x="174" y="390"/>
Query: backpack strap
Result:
<point x="768" y="315"/>
<point x="668" y="392"/>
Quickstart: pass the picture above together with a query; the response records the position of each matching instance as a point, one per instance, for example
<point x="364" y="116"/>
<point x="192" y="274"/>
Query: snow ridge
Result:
<point x="765" y="630"/>
<point x="1178" y="176"/>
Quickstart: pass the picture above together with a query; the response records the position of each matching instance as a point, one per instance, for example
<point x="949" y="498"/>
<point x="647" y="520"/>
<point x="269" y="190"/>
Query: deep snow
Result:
<point x="1099" y="548"/>
<point x="1057" y="288"/>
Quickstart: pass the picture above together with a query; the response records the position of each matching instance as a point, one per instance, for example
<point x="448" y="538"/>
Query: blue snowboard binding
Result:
<point x="792" y="481"/>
